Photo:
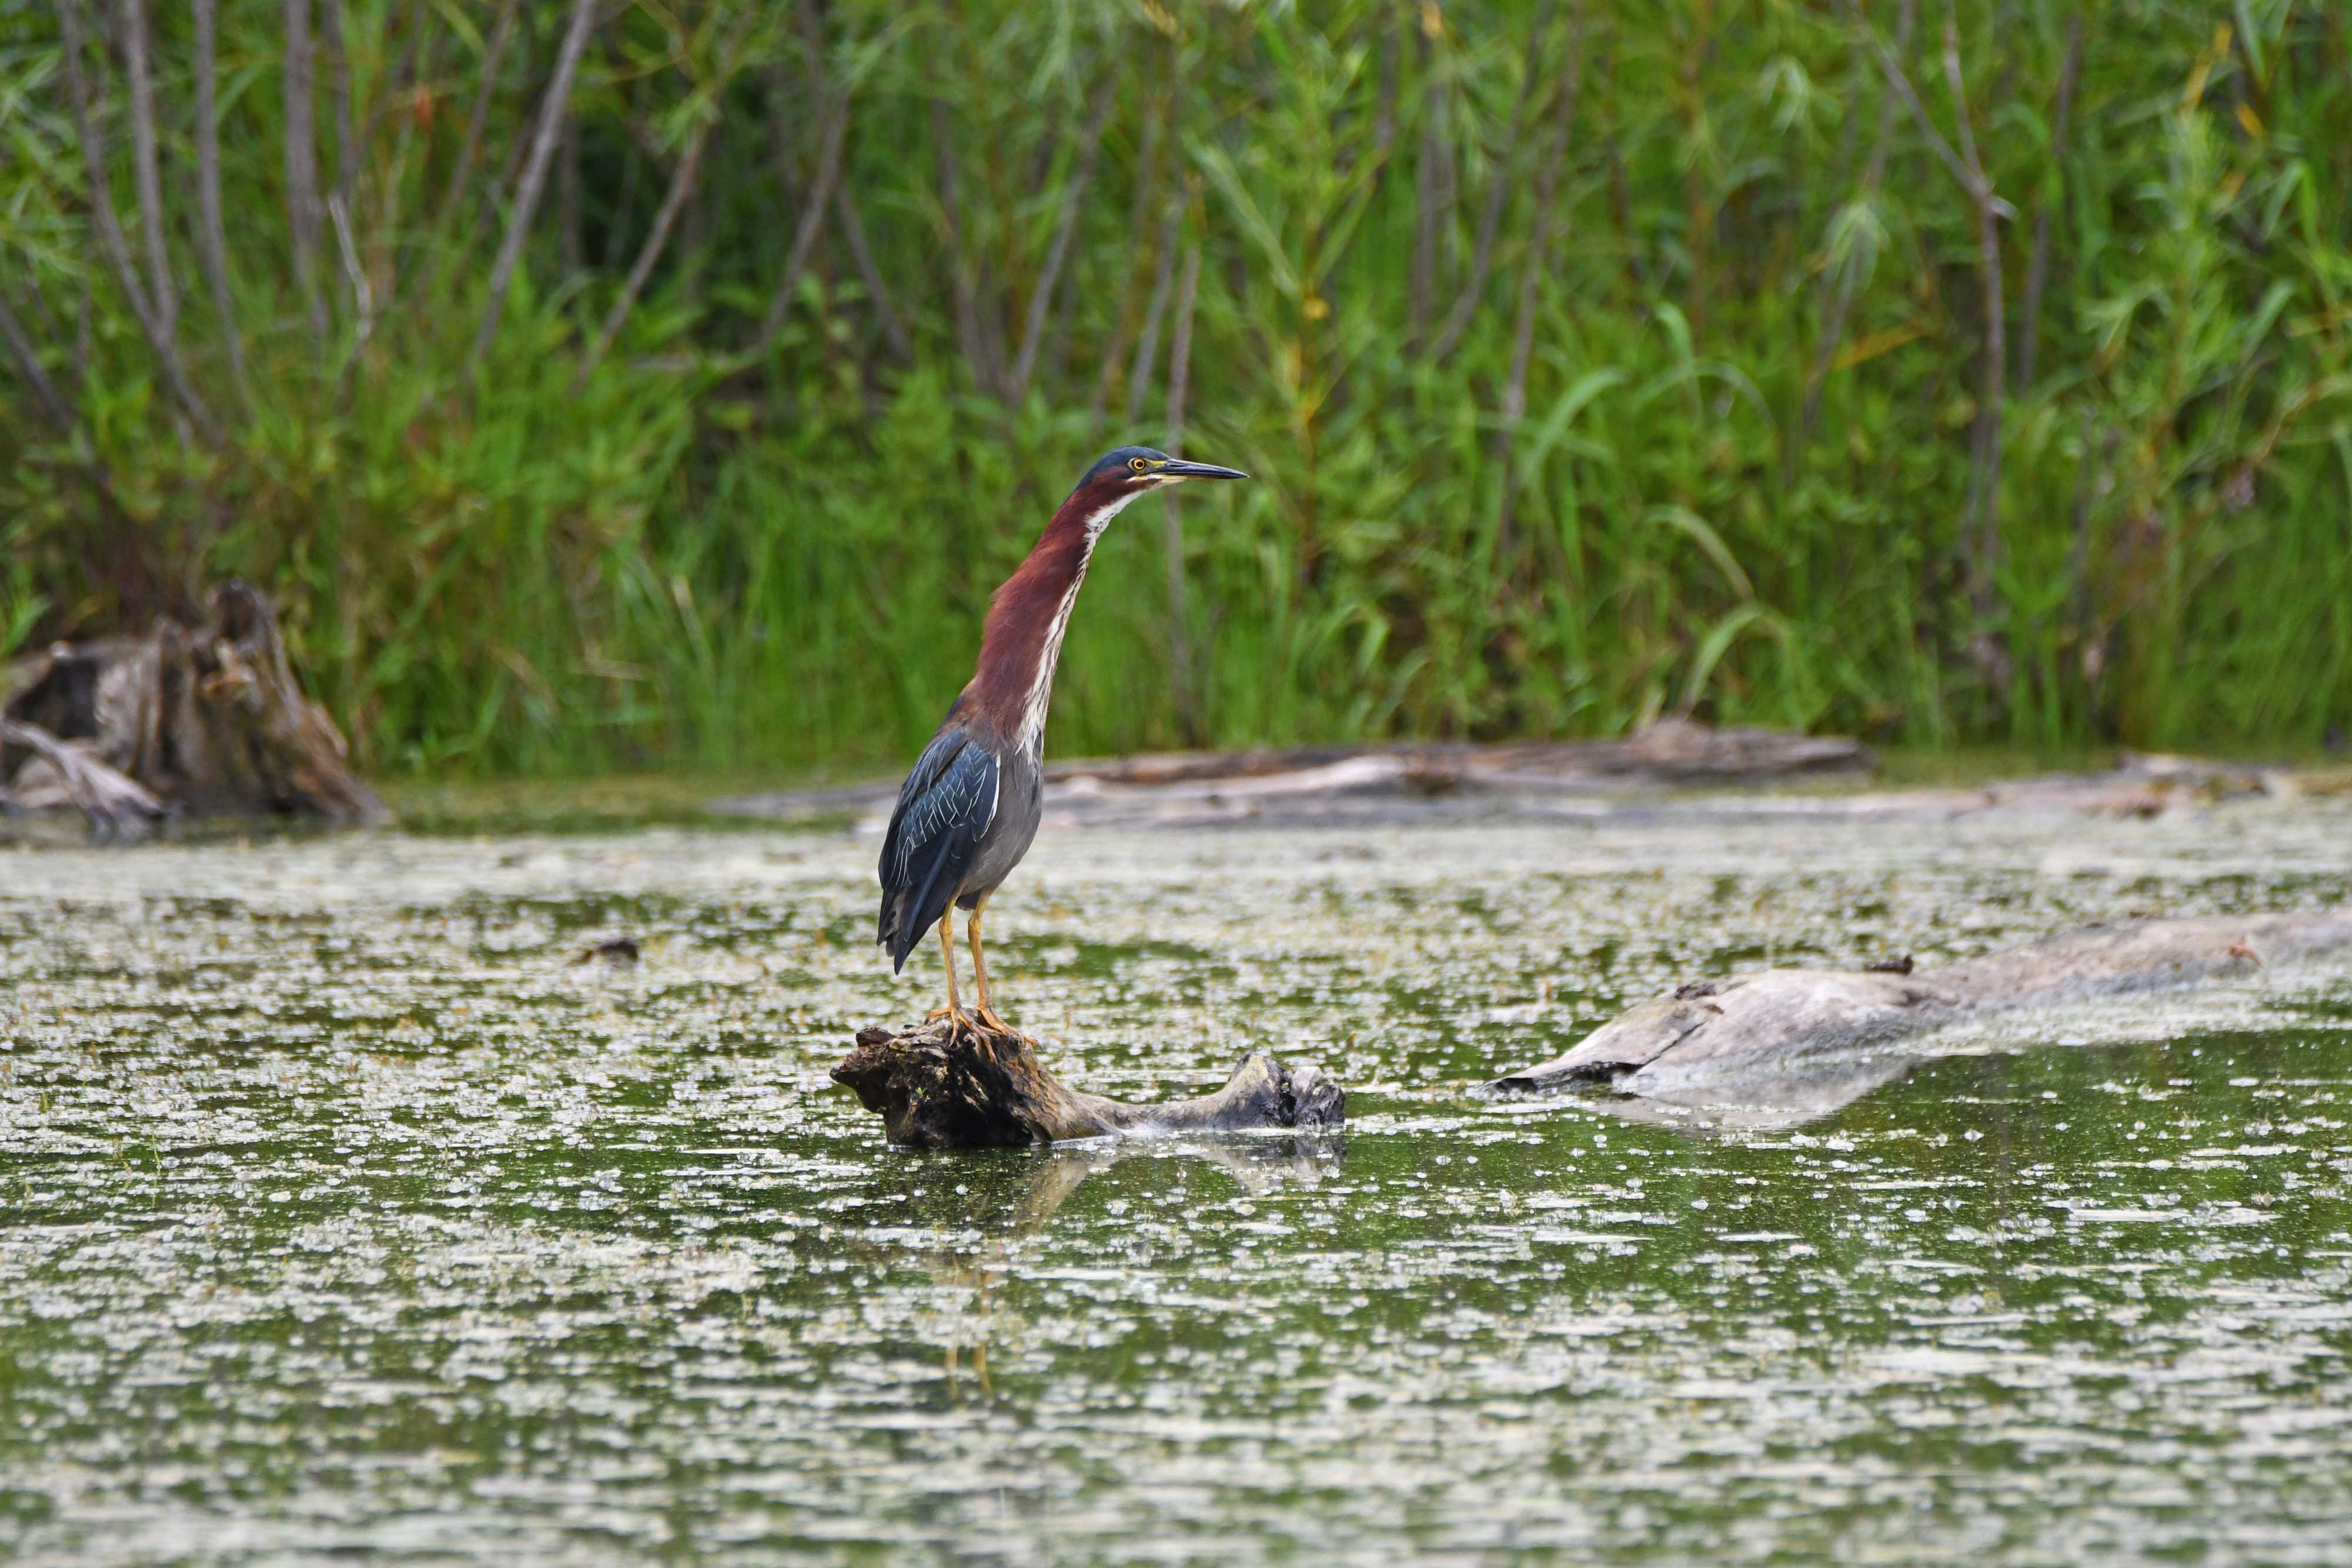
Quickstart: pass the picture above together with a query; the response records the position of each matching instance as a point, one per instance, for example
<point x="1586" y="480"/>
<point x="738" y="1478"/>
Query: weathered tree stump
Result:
<point x="967" y="1089"/>
<point x="208" y="720"/>
<point x="1751" y="1026"/>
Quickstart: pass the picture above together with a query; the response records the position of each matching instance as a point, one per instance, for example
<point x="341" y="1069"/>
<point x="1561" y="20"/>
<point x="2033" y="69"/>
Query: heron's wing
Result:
<point x="944" y="808"/>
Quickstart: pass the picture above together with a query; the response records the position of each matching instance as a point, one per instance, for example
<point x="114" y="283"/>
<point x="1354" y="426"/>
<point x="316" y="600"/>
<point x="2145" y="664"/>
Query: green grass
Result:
<point x="709" y="561"/>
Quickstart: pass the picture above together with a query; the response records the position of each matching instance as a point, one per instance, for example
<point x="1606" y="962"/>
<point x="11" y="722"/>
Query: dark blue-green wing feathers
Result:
<point x="944" y="808"/>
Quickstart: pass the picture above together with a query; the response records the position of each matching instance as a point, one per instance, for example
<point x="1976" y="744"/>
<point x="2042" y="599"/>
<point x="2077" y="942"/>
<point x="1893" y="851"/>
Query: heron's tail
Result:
<point x="909" y="916"/>
<point x="896" y="935"/>
<point x="899" y="941"/>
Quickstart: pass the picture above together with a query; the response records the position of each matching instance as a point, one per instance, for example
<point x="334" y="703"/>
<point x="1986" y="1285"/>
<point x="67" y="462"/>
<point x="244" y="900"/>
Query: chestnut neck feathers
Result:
<point x="1022" y="638"/>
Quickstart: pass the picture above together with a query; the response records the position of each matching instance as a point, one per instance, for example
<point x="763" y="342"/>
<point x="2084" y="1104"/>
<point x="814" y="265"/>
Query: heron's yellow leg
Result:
<point x="985" y="1013"/>
<point x="953" y="1012"/>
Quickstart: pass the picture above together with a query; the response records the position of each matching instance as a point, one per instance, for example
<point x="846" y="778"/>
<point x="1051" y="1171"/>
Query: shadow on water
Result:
<point x="1805" y="1092"/>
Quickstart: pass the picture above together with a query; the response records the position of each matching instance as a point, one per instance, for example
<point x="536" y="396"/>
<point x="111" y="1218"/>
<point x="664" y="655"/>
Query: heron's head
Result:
<point x="1132" y="470"/>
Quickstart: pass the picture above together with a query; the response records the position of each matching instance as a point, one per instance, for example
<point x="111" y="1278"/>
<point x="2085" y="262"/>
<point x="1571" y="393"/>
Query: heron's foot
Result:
<point x="958" y="1020"/>
<point x="988" y="1015"/>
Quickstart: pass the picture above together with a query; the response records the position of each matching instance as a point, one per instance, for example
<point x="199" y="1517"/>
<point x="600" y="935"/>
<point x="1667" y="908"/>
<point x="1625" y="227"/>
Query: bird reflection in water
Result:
<point x="1258" y="1165"/>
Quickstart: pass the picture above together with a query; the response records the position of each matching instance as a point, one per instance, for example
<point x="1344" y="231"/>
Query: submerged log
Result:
<point x="1669" y="751"/>
<point x="1753" y="1026"/>
<point x="207" y="720"/>
<point x="967" y="1089"/>
<point x="1312" y="784"/>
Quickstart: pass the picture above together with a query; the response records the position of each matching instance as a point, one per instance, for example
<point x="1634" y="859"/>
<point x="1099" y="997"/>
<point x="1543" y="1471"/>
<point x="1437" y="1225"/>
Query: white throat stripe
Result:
<point x="1041" y="686"/>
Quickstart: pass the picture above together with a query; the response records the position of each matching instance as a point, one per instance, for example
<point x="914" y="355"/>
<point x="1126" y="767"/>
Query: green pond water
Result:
<point x="344" y="1215"/>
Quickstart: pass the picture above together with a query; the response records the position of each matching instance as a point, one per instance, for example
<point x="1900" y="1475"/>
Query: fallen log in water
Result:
<point x="1750" y="1027"/>
<point x="1674" y="766"/>
<point x="1317" y="783"/>
<point x="939" y="1089"/>
<point x="1669" y="751"/>
<point x="208" y="720"/>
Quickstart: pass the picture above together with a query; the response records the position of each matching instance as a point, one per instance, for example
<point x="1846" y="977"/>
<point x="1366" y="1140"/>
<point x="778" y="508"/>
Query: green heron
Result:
<point x="968" y="811"/>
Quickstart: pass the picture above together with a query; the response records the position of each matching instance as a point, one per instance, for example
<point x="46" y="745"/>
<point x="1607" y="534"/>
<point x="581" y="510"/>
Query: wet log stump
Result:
<point x="1746" y="1027"/>
<point x="979" y="1088"/>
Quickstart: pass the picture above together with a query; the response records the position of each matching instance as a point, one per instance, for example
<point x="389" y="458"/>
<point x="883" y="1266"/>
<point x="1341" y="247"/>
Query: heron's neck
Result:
<point x="1022" y="639"/>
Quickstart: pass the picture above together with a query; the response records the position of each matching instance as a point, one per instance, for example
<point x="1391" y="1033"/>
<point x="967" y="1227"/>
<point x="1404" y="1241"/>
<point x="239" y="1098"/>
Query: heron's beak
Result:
<point x="1177" y="468"/>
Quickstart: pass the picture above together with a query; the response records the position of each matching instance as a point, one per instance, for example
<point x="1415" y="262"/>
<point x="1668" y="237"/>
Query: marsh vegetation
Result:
<point x="632" y="384"/>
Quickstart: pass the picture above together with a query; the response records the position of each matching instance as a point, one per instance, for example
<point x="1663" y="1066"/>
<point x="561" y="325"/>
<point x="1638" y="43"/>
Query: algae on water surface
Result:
<point x="343" y="1207"/>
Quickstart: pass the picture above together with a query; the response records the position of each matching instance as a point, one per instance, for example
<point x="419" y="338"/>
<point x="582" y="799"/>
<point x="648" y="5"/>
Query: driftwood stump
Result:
<point x="208" y="720"/>
<point x="967" y="1089"/>
<point x="1749" y="1027"/>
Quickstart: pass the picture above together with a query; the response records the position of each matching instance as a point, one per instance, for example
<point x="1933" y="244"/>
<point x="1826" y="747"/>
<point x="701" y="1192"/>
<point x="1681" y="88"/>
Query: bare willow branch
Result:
<point x="552" y="111"/>
<point x="1900" y="85"/>
<point x="27" y="361"/>
<point x="1159" y="133"/>
<point x="347" y="245"/>
<point x="1180" y="350"/>
<point x="831" y="155"/>
<point x="832" y="137"/>
<point x="339" y="87"/>
<point x="1839" y="285"/>
<point x="212" y="237"/>
<point x="979" y="350"/>
<point x="394" y="91"/>
<point x="1984" y="556"/>
<point x="302" y="204"/>
<point x="1385" y="121"/>
<point x="1981" y="547"/>
<point x="496" y="194"/>
<point x="681" y="186"/>
<point x="1180" y="367"/>
<point x="462" y="171"/>
<point x="1960" y="98"/>
<point x="2037" y="270"/>
<point x="1425" y="201"/>
<point x="877" y="291"/>
<point x="1074" y="196"/>
<point x="1533" y="267"/>
<point x="1499" y="185"/>
<point x="109" y="228"/>
<point x="144" y="163"/>
<point x="408" y="108"/>
<point x="1147" y="347"/>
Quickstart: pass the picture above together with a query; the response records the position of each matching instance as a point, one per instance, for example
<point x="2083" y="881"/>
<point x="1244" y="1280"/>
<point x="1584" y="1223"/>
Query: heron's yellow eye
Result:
<point x="1138" y="464"/>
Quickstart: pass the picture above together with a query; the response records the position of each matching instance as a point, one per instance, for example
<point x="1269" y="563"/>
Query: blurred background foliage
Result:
<point x="611" y="384"/>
